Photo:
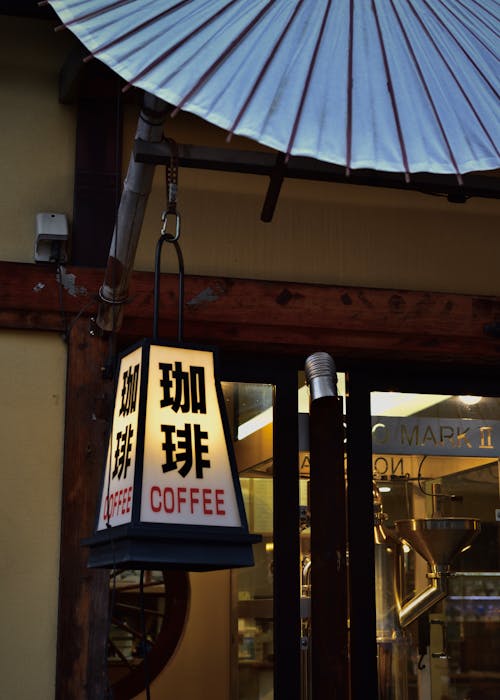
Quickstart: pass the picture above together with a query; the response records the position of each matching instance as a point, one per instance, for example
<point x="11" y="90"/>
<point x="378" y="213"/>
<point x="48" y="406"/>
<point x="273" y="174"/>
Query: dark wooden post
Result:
<point x="83" y="593"/>
<point x="329" y="601"/>
<point x="97" y="165"/>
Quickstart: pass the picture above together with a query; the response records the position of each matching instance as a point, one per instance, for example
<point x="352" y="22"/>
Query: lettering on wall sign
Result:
<point x="122" y="452"/>
<point x="186" y="445"/>
<point x="184" y="390"/>
<point x="189" y="448"/>
<point x="434" y="436"/>
<point x="190" y="500"/>
<point x="130" y="378"/>
<point x="389" y="467"/>
<point x="125" y="435"/>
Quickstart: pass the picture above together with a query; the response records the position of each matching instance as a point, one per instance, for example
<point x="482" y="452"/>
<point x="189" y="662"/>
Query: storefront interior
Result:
<point x="430" y="592"/>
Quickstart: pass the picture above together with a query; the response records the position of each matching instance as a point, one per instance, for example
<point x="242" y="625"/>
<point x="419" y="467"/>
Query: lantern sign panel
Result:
<point x="170" y="494"/>
<point x="186" y="475"/>
<point x="118" y="484"/>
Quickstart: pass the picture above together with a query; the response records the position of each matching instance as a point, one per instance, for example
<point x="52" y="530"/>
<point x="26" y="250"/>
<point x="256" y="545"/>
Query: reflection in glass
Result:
<point x="249" y="407"/>
<point x="435" y="466"/>
<point x="145" y="621"/>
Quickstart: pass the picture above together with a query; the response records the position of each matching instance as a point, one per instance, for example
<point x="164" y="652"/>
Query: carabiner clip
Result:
<point x="171" y="237"/>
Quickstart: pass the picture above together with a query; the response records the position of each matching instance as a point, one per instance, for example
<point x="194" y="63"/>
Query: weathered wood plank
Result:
<point x="276" y="316"/>
<point x="83" y="593"/>
<point x="97" y="163"/>
<point x="329" y="572"/>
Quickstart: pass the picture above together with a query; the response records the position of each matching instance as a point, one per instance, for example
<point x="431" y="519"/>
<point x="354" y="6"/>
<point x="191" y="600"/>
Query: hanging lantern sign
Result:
<point x="170" y="495"/>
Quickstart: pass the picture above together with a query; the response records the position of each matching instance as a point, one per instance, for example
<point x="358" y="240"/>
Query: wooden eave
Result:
<point x="278" y="317"/>
<point x="273" y="166"/>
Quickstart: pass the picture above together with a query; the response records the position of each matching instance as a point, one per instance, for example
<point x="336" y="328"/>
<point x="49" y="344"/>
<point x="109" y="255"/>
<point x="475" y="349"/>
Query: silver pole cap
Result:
<point x="321" y="375"/>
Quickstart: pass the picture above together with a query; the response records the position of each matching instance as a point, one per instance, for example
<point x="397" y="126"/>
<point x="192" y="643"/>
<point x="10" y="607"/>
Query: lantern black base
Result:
<point x="143" y="547"/>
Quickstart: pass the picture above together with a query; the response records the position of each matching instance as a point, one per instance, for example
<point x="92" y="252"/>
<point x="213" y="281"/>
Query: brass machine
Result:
<point x="438" y="540"/>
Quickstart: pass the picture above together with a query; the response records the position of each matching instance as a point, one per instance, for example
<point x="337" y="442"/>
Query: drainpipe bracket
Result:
<point x="113" y="301"/>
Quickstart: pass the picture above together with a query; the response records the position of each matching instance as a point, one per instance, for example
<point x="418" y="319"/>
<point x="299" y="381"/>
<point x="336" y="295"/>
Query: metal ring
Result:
<point x="114" y="302"/>
<point x="171" y="237"/>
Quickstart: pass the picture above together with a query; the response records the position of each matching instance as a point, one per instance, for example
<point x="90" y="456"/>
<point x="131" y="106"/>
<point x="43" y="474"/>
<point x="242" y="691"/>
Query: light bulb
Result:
<point x="470" y="400"/>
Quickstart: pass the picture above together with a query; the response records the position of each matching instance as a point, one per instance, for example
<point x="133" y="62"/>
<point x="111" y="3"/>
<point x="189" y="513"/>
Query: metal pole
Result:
<point x="329" y="589"/>
<point x="137" y="187"/>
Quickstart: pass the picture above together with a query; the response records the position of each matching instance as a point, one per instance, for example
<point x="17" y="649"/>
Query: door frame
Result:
<point x="414" y="378"/>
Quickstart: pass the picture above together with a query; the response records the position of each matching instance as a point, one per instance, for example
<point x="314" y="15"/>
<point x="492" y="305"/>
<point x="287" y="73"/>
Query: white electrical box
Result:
<point x="51" y="237"/>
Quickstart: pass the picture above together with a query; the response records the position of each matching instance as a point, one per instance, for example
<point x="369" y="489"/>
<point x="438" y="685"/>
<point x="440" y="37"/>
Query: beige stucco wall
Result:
<point x="200" y="667"/>
<point x="32" y="378"/>
<point x="37" y="134"/>
<point x="37" y="144"/>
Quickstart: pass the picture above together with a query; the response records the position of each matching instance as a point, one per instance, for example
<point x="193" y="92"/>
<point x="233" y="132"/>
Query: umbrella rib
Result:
<point x="174" y="48"/>
<point x="428" y="93"/>
<point x="392" y="95"/>
<point x="227" y="51"/>
<point x="94" y="13"/>
<point x="480" y="19"/>
<point x="459" y="85"/>
<point x="263" y="70"/>
<point x="307" y="82"/>
<point x="350" y="73"/>
<point x="478" y="39"/>
<point x="136" y="29"/>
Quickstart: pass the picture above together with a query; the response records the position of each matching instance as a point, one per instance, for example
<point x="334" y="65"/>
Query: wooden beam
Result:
<point x="71" y="73"/>
<point x="298" y="167"/>
<point x="98" y="178"/>
<point x="83" y="593"/>
<point x="292" y="318"/>
<point x="329" y="572"/>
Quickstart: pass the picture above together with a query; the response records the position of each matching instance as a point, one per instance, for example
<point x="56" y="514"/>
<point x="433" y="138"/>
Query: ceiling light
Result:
<point x="470" y="400"/>
<point x="394" y="403"/>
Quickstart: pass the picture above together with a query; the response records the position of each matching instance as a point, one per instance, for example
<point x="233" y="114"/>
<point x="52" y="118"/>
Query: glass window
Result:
<point x="437" y="555"/>
<point x="250" y="412"/>
<point x="144" y="617"/>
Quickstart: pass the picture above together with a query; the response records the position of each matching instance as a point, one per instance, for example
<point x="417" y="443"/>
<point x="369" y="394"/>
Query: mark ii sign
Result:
<point x="433" y="436"/>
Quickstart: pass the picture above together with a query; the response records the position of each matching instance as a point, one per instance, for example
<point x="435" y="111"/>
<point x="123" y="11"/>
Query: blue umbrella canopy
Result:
<point x="391" y="85"/>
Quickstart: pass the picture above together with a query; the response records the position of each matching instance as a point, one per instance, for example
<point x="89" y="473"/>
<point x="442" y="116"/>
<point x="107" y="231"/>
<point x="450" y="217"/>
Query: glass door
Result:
<point x="436" y="538"/>
<point x="273" y="641"/>
<point x="423" y="546"/>
<point x="250" y="408"/>
<point x="261" y="399"/>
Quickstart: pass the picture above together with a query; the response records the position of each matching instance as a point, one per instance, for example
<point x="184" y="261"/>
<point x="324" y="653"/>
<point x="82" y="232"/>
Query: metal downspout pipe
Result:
<point x="136" y="189"/>
<point x="423" y="601"/>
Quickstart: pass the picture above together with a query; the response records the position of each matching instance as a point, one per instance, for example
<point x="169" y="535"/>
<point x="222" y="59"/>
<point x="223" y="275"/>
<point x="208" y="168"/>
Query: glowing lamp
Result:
<point x="170" y="495"/>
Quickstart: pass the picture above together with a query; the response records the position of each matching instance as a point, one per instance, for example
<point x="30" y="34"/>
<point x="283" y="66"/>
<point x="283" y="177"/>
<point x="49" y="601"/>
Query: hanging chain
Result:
<point x="171" y="181"/>
<point x="171" y="176"/>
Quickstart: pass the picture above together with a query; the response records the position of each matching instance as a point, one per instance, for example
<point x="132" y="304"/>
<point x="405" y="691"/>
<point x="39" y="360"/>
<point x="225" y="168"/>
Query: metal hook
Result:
<point x="171" y="176"/>
<point x="164" y="217"/>
<point x="169" y="239"/>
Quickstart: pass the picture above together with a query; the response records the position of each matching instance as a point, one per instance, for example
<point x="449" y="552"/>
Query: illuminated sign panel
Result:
<point x="117" y="491"/>
<point x="186" y="472"/>
<point x="170" y="494"/>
